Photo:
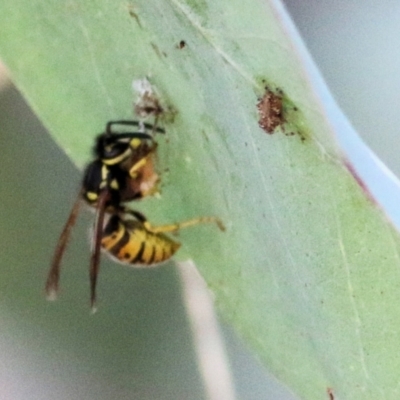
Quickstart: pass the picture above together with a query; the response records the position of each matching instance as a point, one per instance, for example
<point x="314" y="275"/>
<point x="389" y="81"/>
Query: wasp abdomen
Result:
<point x="131" y="243"/>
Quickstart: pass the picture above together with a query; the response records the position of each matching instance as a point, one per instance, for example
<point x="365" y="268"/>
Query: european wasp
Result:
<point x="131" y="239"/>
<point x="123" y="170"/>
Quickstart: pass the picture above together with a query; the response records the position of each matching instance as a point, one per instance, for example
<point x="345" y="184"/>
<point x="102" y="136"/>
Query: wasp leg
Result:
<point x="53" y="276"/>
<point x="181" y="225"/>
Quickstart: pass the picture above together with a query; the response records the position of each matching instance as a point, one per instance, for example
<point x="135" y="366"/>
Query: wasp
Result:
<point x="122" y="170"/>
<point x="129" y="238"/>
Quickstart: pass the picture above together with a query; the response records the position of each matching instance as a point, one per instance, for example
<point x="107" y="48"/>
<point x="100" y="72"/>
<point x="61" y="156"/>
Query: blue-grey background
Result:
<point x="355" y="46"/>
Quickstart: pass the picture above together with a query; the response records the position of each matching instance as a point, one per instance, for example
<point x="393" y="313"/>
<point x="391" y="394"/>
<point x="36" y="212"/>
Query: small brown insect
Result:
<point x="270" y="111"/>
<point x="147" y="103"/>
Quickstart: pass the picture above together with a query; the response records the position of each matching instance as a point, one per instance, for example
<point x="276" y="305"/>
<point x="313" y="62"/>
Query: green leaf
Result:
<point x="308" y="269"/>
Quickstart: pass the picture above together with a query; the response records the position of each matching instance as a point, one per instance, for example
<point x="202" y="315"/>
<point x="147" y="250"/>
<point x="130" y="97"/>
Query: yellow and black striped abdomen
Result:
<point x="131" y="243"/>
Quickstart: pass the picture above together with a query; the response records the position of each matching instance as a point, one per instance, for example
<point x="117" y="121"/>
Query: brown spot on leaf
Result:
<point x="330" y="393"/>
<point x="181" y="44"/>
<point x="134" y="15"/>
<point x="270" y="111"/>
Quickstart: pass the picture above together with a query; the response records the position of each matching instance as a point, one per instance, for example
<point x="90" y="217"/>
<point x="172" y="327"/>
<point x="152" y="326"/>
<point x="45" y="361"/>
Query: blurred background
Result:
<point x="354" y="45"/>
<point x="140" y="344"/>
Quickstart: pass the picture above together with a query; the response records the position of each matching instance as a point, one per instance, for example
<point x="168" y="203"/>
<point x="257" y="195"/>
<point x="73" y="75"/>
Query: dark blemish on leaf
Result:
<point x="270" y="110"/>
<point x="330" y="393"/>
<point x="134" y="15"/>
<point x="205" y="136"/>
<point x="181" y="44"/>
<point x="360" y="182"/>
<point x="160" y="54"/>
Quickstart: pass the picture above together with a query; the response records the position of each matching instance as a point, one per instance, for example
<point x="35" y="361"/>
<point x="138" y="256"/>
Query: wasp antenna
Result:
<point x="143" y="126"/>
<point x="152" y="127"/>
<point x="120" y="122"/>
<point x="160" y="130"/>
